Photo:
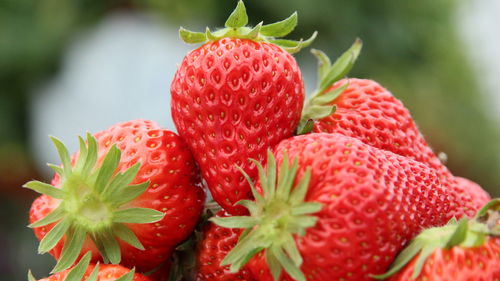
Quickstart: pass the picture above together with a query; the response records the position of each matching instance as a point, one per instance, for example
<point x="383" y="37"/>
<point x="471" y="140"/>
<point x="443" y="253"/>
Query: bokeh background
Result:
<point x="71" y="66"/>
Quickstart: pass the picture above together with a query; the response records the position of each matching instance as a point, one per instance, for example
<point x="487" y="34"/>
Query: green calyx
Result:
<point x="78" y="272"/>
<point x="319" y="104"/>
<point x="235" y="27"/>
<point x="92" y="200"/>
<point x="276" y="216"/>
<point x="466" y="233"/>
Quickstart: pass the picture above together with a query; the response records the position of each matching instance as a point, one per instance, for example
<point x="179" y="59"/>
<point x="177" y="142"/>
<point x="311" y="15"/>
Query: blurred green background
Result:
<point x="410" y="47"/>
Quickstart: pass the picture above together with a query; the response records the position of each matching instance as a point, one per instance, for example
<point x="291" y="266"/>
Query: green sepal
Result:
<point x="192" y="37"/>
<point x="58" y="170"/>
<point x="281" y="28"/>
<point x="91" y="158"/>
<point x="319" y="105"/>
<point x="77" y="273"/>
<point x="238" y="17"/>
<point x="63" y="154"/>
<point x="83" y="153"/>
<point x="129" y="276"/>
<point x="44" y="188"/>
<point x="403" y="258"/>
<point x="71" y="250"/>
<point x="30" y="276"/>
<point x="57" y="214"/>
<point x="110" y="247"/>
<point x="138" y="215"/>
<point x="493" y="204"/>
<point x="127" y="235"/>
<point x="94" y="274"/>
<point x="459" y="235"/>
<point x="280" y="204"/>
<point x="108" y="167"/>
<point x="55" y="235"/>
<point x="236" y="27"/>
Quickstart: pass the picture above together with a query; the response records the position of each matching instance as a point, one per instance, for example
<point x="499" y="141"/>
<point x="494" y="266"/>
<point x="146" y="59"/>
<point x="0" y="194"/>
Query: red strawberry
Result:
<point x="236" y="96"/>
<point x="352" y="209"/>
<point x="150" y="198"/>
<point x="91" y="272"/>
<point x="460" y="251"/>
<point x="367" y="111"/>
<point x="216" y="243"/>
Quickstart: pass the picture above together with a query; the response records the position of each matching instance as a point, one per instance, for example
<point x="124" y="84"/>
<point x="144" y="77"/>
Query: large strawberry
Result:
<point x="365" y="110"/>
<point x="460" y="251"/>
<point x="341" y="211"/>
<point x="91" y="272"/>
<point x="129" y="195"/>
<point x="236" y="96"/>
<point x="216" y="242"/>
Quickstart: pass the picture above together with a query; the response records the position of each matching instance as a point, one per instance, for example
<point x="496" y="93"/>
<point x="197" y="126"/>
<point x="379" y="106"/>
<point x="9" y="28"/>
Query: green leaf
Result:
<point x="304" y="222"/>
<point x="72" y="248"/>
<point x="403" y="258"/>
<point x="238" y="17"/>
<point x="63" y="154"/>
<point x="292" y="46"/>
<point x="46" y="189"/>
<point x="324" y="64"/>
<point x="82" y="157"/>
<point x="299" y="193"/>
<point x="191" y="37"/>
<point x="248" y="244"/>
<point x="494" y="204"/>
<point x="342" y="65"/>
<point x="250" y="205"/>
<point x="127" y="235"/>
<point x="459" y="234"/>
<point x="281" y="28"/>
<point x="50" y="240"/>
<point x="306" y="208"/>
<point x="419" y="264"/>
<point x="274" y="265"/>
<point x="30" y="276"/>
<point x="107" y="169"/>
<point x="235" y="221"/>
<point x="292" y="269"/>
<point x="329" y="97"/>
<point x="258" y="198"/>
<point x="321" y="111"/>
<point x="286" y="185"/>
<point x="271" y="174"/>
<point x="91" y="155"/>
<point x="57" y="214"/>
<point x="262" y="178"/>
<point x="128" y="193"/>
<point x="254" y="32"/>
<point x="56" y="169"/>
<point x="129" y="276"/>
<point x="138" y="215"/>
<point x="94" y="274"/>
<point x="291" y="249"/>
<point x="306" y="125"/>
<point x="121" y="180"/>
<point x="110" y="247"/>
<point x="77" y="273"/>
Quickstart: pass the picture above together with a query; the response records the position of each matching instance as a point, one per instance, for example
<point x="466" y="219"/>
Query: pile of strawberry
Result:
<point x="331" y="189"/>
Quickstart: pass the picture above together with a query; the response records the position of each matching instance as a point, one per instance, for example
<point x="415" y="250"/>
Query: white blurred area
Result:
<point x="479" y="26"/>
<point x="121" y="70"/>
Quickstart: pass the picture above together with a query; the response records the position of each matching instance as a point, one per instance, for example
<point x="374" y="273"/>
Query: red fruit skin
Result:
<point x="175" y="189"/>
<point x="458" y="264"/>
<point x="369" y="112"/>
<point x="107" y="272"/>
<point x="374" y="202"/>
<point x="216" y="244"/>
<point x="232" y="99"/>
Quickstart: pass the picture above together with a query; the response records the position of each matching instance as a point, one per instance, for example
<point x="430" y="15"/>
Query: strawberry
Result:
<point x="234" y="97"/>
<point x="217" y="241"/>
<point x="91" y="272"/>
<point x="363" y="109"/>
<point x="341" y="211"/>
<point x="129" y="195"/>
<point x="461" y="251"/>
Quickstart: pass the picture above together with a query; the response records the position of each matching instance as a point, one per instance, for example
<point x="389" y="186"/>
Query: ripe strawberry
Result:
<point x="131" y="194"/>
<point x="216" y="243"/>
<point x="236" y="96"/>
<point x="351" y="210"/>
<point x="93" y="272"/>
<point x="461" y="251"/>
<point x="365" y="110"/>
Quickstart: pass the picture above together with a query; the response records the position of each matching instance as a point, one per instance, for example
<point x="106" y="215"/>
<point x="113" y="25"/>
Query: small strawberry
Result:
<point x="460" y="251"/>
<point x="217" y="241"/>
<point x="129" y="195"/>
<point x="341" y="211"/>
<point x="236" y="96"/>
<point x="363" y="109"/>
<point x="91" y="272"/>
